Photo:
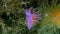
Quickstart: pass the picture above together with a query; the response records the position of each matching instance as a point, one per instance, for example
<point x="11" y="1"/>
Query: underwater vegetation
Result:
<point x="12" y="18"/>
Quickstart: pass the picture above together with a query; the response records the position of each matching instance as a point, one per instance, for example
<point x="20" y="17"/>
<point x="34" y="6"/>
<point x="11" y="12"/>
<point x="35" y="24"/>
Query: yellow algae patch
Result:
<point x="56" y="18"/>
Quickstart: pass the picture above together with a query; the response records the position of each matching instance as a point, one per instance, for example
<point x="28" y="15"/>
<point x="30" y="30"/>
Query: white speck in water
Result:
<point x="46" y="14"/>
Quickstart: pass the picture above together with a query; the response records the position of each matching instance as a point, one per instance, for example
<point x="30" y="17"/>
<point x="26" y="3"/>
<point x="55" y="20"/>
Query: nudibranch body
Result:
<point x="31" y="18"/>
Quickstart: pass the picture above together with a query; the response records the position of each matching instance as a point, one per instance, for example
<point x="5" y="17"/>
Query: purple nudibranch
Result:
<point x="29" y="19"/>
